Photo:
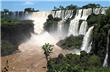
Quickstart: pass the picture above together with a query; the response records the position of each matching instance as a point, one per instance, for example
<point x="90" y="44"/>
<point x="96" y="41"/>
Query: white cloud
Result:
<point x="28" y="2"/>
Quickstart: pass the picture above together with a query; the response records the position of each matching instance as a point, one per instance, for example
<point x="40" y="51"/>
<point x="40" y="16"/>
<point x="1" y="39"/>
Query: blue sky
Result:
<point x="44" y="5"/>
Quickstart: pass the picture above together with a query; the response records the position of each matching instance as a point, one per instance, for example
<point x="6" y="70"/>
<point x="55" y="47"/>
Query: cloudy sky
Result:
<point x="18" y="5"/>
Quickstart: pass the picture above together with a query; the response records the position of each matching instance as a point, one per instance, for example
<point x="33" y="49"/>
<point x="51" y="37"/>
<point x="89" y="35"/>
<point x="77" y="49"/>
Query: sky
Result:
<point x="45" y="5"/>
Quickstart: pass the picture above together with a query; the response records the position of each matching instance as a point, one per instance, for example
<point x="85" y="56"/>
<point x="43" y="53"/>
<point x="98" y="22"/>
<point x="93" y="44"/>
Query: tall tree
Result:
<point x="47" y="50"/>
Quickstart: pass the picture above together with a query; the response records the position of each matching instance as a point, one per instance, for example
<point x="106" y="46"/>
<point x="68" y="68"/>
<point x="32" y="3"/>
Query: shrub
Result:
<point x="71" y="42"/>
<point x="7" y="48"/>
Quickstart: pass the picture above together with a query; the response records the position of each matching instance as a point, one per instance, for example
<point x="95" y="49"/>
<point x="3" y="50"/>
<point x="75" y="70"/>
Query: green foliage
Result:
<point x="91" y="6"/>
<point x="6" y="10"/>
<point x="47" y="49"/>
<point x="100" y="34"/>
<point x="5" y="21"/>
<point x="30" y="10"/>
<point x="75" y="63"/>
<point x="51" y="23"/>
<point x="61" y="7"/>
<point x="94" y="60"/>
<point x="71" y="42"/>
<point x="7" y="48"/>
<point x="71" y="7"/>
<point x="13" y="33"/>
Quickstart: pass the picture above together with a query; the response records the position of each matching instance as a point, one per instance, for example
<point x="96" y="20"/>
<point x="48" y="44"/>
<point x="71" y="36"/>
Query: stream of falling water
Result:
<point x="105" y="63"/>
<point x="83" y="28"/>
<point x="86" y="45"/>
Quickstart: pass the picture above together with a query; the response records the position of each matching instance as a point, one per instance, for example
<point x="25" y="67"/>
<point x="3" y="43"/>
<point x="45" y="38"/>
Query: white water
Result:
<point x="62" y="13"/>
<point x="97" y="10"/>
<point x="86" y="45"/>
<point x="73" y="29"/>
<point x="83" y="28"/>
<point x="74" y="24"/>
<point x="39" y="19"/>
<point x="86" y="13"/>
<point x="105" y="63"/>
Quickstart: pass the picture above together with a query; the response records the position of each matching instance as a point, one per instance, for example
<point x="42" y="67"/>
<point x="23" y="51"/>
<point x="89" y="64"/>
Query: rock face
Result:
<point x="13" y="35"/>
<point x="16" y="33"/>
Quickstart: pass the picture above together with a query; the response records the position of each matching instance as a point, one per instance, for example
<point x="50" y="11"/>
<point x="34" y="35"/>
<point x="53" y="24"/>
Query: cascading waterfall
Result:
<point x="105" y="63"/>
<point x="86" y="13"/>
<point x="74" y="27"/>
<point x="83" y="28"/>
<point x="39" y="18"/>
<point x="74" y="24"/>
<point x="60" y="32"/>
<point x="96" y="11"/>
<point x="86" y="45"/>
<point x="58" y="14"/>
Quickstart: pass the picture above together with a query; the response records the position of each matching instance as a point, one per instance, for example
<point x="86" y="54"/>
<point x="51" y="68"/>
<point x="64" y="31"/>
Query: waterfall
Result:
<point x="60" y="26"/>
<point x="39" y="18"/>
<point x="96" y="11"/>
<point x="103" y="10"/>
<point x="74" y="24"/>
<point x="60" y="31"/>
<point x="58" y="14"/>
<point x="86" y="45"/>
<point x="105" y="63"/>
<point x="83" y="28"/>
<point x="78" y="14"/>
<point x="73" y="29"/>
<point x="86" y="13"/>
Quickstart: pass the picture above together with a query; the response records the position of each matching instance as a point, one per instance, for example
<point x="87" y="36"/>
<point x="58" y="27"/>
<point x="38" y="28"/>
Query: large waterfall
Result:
<point x="39" y="18"/>
<point x="81" y="14"/>
<point x="74" y="24"/>
<point x="78" y="25"/>
<point x="105" y="63"/>
<point x="86" y="46"/>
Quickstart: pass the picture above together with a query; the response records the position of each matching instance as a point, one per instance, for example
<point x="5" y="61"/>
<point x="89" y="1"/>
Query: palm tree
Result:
<point x="47" y="50"/>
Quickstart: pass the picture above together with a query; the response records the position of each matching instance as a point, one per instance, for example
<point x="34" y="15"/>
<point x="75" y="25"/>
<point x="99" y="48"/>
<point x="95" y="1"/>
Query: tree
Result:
<point x="55" y="8"/>
<point x="47" y="50"/>
<point x="91" y="6"/>
<point x="29" y="10"/>
<point x="6" y="11"/>
<point x="61" y="7"/>
<point x="70" y="7"/>
<point x="94" y="61"/>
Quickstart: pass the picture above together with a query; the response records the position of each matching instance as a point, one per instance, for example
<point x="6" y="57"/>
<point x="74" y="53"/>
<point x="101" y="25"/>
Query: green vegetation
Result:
<point x="76" y="63"/>
<point x="74" y="7"/>
<point x="95" y="19"/>
<point x="47" y="50"/>
<point x="7" y="48"/>
<point x="91" y="6"/>
<point x="30" y="10"/>
<point x="86" y="62"/>
<point x="5" y="21"/>
<point x="51" y="23"/>
<point x="69" y="7"/>
<point x="71" y="42"/>
<point x="14" y="32"/>
<point x="102" y="25"/>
